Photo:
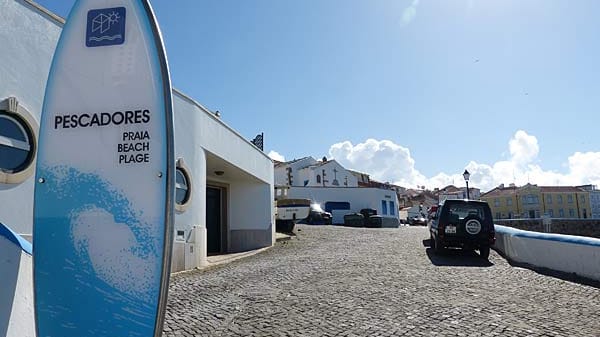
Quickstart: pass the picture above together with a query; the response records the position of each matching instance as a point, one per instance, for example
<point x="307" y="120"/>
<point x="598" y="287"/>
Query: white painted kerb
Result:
<point x="564" y="253"/>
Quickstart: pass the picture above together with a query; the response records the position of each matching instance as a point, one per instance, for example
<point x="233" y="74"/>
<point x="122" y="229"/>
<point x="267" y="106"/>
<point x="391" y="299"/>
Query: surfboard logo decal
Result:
<point x="105" y="27"/>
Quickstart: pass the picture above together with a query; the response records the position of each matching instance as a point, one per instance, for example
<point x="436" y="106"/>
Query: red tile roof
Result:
<point x="561" y="189"/>
<point x="507" y="191"/>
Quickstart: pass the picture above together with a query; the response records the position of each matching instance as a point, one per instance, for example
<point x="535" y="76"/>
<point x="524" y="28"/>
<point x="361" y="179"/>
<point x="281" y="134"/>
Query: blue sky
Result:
<point x="412" y="92"/>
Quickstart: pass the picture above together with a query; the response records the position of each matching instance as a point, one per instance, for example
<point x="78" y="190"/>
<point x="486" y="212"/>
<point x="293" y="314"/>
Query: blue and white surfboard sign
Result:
<point x="103" y="208"/>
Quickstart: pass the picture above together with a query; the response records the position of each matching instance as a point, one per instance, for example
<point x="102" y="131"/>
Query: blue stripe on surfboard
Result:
<point x="15" y="238"/>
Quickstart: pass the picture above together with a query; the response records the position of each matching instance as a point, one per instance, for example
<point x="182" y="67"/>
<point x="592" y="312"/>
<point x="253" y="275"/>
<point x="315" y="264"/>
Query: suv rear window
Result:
<point x="463" y="210"/>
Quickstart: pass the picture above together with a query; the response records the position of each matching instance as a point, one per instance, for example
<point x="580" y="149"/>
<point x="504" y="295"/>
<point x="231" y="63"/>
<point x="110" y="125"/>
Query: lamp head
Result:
<point x="466" y="175"/>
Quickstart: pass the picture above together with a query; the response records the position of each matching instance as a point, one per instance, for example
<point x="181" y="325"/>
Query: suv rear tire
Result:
<point x="437" y="248"/>
<point x="484" y="252"/>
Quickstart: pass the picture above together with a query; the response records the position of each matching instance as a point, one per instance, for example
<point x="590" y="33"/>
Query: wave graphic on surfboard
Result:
<point x="103" y="230"/>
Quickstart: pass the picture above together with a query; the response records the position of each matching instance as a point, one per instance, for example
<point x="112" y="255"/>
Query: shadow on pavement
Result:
<point x="455" y="258"/>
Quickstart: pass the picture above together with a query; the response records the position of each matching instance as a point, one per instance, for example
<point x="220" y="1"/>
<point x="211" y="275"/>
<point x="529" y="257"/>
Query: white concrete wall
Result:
<point x="16" y="290"/>
<point x="247" y="209"/>
<point x="24" y="65"/>
<point x="189" y="147"/>
<point x="250" y="221"/>
<point x="564" y="253"/>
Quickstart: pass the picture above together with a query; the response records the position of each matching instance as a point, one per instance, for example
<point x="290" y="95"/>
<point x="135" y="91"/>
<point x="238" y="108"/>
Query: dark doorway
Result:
<point x="213" y="220"/>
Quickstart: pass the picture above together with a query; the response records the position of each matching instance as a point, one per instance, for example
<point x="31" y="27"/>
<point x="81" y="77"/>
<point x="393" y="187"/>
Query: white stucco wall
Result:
<point x="189" y="148"/>
<point x="16" y="292"/>
<point x="24" y="65"/>
<point x="247" y="209"/>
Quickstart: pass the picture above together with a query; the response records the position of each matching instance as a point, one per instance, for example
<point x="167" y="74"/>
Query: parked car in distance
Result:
<point x="417" y="220"/>
<point x="465" y="224"/>
<point x="289" y="212"/>
<point x="318" y="216"/>
<point x="354" y="220"/>
<point x="371" y="219"/>
<point x="374" y="221"/>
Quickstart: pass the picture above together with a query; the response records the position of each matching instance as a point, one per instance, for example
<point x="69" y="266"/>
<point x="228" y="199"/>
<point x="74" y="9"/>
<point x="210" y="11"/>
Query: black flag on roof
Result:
<point x="258" y="141"/>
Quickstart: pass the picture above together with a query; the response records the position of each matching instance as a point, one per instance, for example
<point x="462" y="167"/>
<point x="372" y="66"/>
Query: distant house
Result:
<point x="453" y="192"/>
<point x="594" y="200"/>
<point x="363" y="179"/>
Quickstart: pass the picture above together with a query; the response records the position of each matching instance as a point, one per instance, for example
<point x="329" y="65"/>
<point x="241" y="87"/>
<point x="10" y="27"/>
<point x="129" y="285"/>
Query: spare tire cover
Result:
<point x="473" y="226"/>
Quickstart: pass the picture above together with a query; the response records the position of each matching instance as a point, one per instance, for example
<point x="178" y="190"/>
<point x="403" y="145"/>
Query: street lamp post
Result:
<point x="466" y="175"/>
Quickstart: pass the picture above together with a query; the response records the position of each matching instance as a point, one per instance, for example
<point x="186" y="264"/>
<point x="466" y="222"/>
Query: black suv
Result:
<point x="466" y="224"/>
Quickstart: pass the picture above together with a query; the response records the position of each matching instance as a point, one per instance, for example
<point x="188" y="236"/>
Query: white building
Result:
<point x="308" y="172"/>
<point x="334" y="187"/>
<point x="343" y="200"/>
<point x="16" y="294"/>
<point x="224" y="183"/>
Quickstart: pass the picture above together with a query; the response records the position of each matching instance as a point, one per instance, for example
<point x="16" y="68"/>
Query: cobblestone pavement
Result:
<point x="337" y="281"/>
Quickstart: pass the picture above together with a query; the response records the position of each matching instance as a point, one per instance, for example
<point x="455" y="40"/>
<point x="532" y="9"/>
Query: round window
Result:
<point x="16" y="143"/>
<point x="182" y="191"/>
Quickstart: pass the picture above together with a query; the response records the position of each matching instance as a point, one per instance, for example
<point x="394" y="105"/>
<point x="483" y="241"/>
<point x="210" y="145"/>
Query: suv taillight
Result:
<point x="441" y="228"/>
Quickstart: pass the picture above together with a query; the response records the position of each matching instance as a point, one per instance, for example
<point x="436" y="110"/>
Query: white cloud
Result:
<point x="585" y="166"/>
<point x="383" y="160"/>
<point x="409" y="13"/>
<point x="523" y="148"/>
<point x="387" y="161"/>
<point x="276" y="156"/>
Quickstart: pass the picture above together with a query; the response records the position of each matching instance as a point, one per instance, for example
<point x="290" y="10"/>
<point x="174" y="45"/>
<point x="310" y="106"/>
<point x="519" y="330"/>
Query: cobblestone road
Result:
<point x="337" y="281"/>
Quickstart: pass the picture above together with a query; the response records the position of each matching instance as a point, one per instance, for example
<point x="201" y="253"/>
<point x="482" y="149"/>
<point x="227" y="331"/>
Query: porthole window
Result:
<point x="18" y="132"/>
<point x="183" y="186"/>
<point x="15" y="144"/>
